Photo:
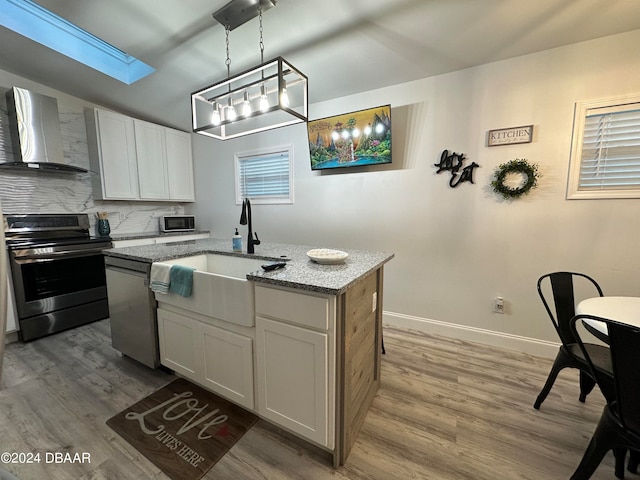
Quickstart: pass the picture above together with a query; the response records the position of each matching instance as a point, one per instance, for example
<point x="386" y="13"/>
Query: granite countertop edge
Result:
<point x="301" y="273"/>
<point x="116" y="237"/>
<point x="267" y="280"/>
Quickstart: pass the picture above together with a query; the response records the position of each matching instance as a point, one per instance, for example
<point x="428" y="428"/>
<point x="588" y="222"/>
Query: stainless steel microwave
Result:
<point x="177" y="223"/>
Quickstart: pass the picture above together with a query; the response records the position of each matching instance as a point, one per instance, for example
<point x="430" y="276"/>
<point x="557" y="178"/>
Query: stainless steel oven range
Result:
<point x="57" y="270"/>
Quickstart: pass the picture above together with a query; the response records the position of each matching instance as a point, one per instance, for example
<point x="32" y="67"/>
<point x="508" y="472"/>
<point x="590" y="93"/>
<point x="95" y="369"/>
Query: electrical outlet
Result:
<point x="498" y="305"/>
<point x="374" y="301"/>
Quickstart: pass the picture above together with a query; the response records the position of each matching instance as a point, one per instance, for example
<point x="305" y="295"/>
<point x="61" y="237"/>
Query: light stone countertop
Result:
<point x="134" y="236"/>
<point x="300" y="272"/>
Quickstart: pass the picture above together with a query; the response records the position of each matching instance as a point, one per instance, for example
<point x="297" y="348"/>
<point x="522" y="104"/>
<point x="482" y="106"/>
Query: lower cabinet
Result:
<point x="180" y="344"/>
<point x="228" y="364"/>
<point x="293" y="378"/>
<point x="218" y="359"/>
<point x="307" y="381"/>
<point x="295" y="361"/>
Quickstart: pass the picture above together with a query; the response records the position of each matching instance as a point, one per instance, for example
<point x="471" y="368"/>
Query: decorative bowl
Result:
<point x="327" y="256"/>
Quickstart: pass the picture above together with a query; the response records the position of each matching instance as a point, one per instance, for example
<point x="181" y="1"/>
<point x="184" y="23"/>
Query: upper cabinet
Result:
<point x="151" y="153"/>
<point x="138" y="160"/>
<point x="112" y="152"/>
<point x="179" y="171"/>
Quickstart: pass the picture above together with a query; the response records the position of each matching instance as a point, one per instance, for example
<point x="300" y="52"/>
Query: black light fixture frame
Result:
<point x="276" y="76"/>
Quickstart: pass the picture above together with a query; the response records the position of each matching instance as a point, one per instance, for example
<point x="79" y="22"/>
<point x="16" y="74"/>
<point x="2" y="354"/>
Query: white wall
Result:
<point x="456" y="249"/>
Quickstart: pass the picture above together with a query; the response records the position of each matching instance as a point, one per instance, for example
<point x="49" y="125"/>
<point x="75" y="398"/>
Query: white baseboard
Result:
<point x="528" y="345"/>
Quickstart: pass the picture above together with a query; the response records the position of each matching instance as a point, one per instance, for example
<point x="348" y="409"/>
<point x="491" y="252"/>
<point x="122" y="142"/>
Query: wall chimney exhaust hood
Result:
<point x="35" y="133"/>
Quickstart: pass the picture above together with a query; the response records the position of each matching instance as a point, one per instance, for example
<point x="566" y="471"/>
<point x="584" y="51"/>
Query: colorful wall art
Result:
<point x="351" y="139"/>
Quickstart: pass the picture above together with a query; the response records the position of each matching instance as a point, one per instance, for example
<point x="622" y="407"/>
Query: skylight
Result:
<point x="40" y="25"/>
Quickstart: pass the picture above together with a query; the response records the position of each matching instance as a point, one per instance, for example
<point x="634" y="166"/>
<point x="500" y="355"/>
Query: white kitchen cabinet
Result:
<point x="293" y="378"/>
<point x="112" y="153"/>
<point x="295" y="345"/>
<point x="151" y="154"/>
<point x="179" y="165"/>
<point x="180" y="342"/>
<point x="315" y="358"/>
<point x="217" y="359"/>
<point x="228" y="364"/>
<point x="315" y="363"/>
<point x="138" y="160"/>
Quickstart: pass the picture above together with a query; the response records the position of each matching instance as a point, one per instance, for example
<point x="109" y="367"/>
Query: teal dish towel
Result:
<point x="181" y="280"/>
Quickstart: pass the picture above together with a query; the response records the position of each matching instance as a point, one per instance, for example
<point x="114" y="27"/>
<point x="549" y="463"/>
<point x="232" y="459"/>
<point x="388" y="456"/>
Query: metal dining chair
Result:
<point x="619" y="425"/>
<point x="569" y="355"/>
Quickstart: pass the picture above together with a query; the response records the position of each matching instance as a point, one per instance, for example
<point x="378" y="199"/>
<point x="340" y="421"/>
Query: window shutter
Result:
<point x="611" y="150"/>
<point x="265" y="177"/>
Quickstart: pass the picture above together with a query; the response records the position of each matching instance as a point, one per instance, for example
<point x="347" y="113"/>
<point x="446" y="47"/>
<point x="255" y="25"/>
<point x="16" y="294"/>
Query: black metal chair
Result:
<point x="569" y="354"/>
<point x="619" y="425"/>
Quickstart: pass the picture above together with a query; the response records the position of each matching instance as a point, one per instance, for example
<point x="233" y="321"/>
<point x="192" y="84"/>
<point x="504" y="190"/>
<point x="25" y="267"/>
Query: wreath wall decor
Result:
<point x="522" y="166"/>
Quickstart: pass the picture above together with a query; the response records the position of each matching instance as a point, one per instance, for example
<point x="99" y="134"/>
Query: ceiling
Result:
<point x="344" y="47"/>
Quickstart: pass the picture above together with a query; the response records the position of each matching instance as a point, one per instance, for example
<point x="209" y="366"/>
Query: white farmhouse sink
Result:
<point x="220" y="287"/>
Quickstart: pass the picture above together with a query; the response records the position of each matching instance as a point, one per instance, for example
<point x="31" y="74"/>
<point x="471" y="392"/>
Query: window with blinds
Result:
<point x="605" y="158"/>
<point x="265" y="176"/>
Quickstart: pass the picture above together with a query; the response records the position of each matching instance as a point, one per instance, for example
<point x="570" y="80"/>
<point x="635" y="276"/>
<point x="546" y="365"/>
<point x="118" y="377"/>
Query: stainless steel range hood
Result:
<point x="35" y="133"/>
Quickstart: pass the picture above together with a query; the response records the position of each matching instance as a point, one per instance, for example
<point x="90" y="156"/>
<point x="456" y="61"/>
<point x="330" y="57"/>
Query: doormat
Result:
<point x="182" y="428"/>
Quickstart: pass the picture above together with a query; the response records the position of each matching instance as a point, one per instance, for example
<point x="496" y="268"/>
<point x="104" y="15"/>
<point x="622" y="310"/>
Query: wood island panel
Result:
<point x="360" y="363"/>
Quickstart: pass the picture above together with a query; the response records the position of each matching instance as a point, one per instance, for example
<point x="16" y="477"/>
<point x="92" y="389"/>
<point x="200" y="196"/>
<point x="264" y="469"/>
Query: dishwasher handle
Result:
<point x="129" y="272"/>
<point x="127" y="264"/>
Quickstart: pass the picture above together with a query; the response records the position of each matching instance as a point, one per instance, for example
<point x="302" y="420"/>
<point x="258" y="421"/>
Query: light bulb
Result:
<point x="215" y="116"/>
<point x="264" y="103"/>
<point x="284" y="97"/>
<point x="231" y="112"/>
<point x="367" y="129"/>
<point x="379" y="128"/>
<point x="345" y="134"/>
<point x="335" y="135"/>
<point x="355" y="133"/>
<point x="246" y="105"/>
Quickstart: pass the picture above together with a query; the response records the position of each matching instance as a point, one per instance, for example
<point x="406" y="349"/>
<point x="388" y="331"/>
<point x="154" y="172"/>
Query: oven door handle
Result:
<point x="50" y="256"/>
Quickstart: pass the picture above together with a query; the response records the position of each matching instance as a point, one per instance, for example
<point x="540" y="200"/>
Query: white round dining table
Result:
<point x="620" y="309"/>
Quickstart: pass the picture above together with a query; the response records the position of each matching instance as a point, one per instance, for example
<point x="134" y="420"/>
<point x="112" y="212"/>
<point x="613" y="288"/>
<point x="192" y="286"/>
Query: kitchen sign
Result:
<point x="510" y="136"/>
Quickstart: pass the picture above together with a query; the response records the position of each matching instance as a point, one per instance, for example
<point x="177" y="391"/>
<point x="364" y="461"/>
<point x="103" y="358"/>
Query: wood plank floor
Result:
<point x="446" y="410"/>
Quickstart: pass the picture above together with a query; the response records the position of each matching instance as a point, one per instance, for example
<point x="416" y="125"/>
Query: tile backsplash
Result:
<point x="51" y="192"/>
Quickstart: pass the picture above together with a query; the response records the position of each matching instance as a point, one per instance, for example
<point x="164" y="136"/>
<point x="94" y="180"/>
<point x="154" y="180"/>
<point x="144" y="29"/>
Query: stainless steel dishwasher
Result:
<point x="132" y="310"/>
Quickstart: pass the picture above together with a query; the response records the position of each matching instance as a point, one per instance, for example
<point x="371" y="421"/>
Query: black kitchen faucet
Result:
<point x="245" y="219"/>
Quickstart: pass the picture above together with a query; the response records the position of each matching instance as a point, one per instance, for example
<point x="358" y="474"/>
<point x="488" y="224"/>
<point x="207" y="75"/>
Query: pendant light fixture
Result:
<point x="270" y="95"/>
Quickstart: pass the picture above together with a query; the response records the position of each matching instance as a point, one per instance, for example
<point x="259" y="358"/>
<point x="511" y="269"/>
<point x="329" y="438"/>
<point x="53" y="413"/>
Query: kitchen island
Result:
<point x="311" y="362"/>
